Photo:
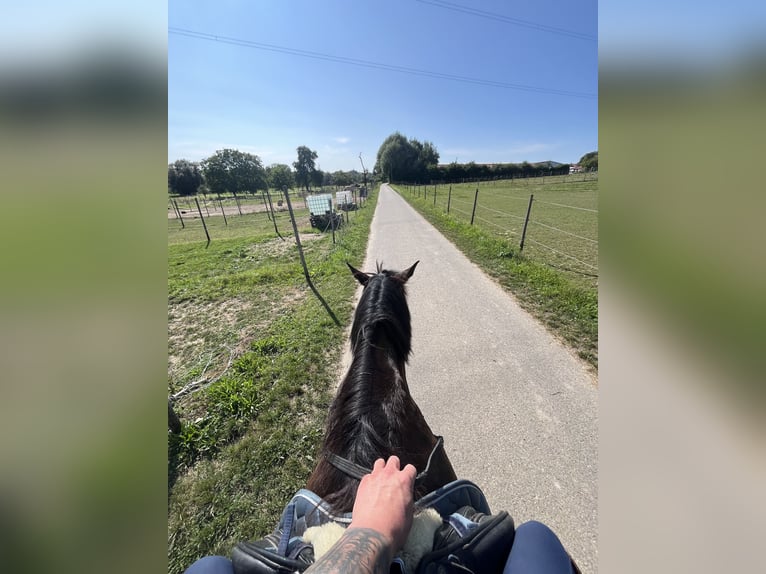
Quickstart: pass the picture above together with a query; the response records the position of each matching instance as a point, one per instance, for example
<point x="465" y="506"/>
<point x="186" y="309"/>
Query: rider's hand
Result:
<point x="384" y="501"/>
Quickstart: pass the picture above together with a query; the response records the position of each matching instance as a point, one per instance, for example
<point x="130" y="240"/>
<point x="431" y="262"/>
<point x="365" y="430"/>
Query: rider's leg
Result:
<point x="211" y="565"/>
<point x="537" y="550"/>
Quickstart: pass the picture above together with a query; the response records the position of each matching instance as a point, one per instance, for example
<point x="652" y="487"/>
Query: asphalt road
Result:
<point x="518" y="411"/>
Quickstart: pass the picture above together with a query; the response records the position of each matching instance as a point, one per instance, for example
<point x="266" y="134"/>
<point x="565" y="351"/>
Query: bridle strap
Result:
<point x="358" y="472"/>
<point x="346" y="466"/>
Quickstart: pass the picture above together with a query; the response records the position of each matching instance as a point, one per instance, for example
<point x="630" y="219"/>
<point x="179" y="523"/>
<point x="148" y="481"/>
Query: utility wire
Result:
<point x="375" y="65"/>
<point x="509" y="20"/>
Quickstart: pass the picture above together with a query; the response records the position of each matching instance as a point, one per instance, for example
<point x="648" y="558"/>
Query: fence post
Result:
<point x="222" y="211"/>
<point x="203" y="220"/>
<point x="332" y="220"/>
<point x="273" y="215"/>
<point x="449" y="198"/>
<point x="175" y="203"/>
<point x="475" y="199"/>
<point x="526" y="220"/>
<point x="236" y="199"/>
<point x="266" y="205"/>
<point x="303" y="259"/>
<point x="434" y="196"/>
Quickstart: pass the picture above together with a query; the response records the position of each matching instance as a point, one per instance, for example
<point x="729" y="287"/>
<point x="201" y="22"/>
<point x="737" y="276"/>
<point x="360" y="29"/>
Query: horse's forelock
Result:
<point x="383" y="309"/>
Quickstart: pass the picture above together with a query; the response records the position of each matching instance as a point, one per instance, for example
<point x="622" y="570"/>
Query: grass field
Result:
<point x="234" y="226"/>
<point x="241" y="317"/>
<point x="564" y="298"/>
<point x="563" y="226"/>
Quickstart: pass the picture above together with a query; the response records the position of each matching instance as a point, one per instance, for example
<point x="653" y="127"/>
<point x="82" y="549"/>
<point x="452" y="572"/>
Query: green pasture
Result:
<point x="242" y="320"/>
<point x="563" y="227"/>
<point x="234" y="226"/>
<point x="561" y="295"/>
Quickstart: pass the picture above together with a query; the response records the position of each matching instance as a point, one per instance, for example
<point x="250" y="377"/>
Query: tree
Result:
<point x="401" y="159"/>
<point x="317" y="178"/>
<point x="184" y="177"/>
<point x="341" y="178"/>
<point x="589" y="162"/>
<point x="305" y="166"/>
<point x="280" y="176"/>
<point x="230" y="170"/>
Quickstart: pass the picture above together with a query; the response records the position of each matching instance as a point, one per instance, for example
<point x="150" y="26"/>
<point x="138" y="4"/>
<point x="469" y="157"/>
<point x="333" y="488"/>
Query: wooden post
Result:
<point x="266" y="205"/>
<point x="273" y="216"/>
<point x="434" y="196"/>
<point x="175" y="203"/>
<point x="203" y="220"/>
<point x="222" y="211"/>
<point x="332" y="220"/>
<point x="526" y="220"/>
<point x="236" y="199"/>
<point x="303" y="260"/>
<point x="449" y="198"/>
<point x="475" y="199"/>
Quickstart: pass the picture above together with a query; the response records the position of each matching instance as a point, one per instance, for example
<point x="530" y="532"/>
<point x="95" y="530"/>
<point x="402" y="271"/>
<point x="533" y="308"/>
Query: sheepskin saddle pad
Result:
<point x="453" y="531"/>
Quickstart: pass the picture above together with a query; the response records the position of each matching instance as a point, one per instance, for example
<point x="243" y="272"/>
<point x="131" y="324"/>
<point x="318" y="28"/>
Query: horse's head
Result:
<point x="373" y="414"/>
<point x="382" y="310"/>
<point x="401" y="276"/>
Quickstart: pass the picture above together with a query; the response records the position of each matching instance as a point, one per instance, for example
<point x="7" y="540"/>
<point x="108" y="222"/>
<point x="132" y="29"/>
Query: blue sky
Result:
<point x="267" y="102"/>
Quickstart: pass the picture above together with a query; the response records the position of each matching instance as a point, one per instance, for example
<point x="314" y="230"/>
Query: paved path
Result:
<point x="518" y="411"/>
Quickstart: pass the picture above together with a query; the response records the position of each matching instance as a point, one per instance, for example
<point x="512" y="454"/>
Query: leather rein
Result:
<point x="357" y="471"/>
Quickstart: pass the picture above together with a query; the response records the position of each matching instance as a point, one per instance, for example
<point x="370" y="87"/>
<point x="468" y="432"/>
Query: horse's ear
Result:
<point x="360" y="276"/>
<point x="407" y="273"/>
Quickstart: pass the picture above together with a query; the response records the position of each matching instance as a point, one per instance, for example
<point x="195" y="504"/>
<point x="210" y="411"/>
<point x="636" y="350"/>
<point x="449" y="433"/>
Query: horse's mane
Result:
<point x="383" y="312"/>
<point x="365" y="419"/>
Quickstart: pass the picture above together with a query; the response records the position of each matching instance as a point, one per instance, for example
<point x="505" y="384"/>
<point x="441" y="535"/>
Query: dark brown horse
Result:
<point x="373" y="415"/>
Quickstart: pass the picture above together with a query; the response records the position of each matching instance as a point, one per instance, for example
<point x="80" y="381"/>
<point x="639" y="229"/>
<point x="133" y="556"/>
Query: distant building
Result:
<point x="575" y="169"/>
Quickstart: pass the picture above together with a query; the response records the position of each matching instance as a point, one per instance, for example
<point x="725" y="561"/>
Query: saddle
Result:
<point x="461" y="534"/>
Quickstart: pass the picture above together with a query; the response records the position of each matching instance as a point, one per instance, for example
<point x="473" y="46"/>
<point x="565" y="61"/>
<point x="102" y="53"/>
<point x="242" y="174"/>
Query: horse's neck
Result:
<point x="386" y="374"/>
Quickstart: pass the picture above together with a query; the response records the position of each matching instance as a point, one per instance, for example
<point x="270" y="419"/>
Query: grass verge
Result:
<point x="249" y="439"/>
<point x="568" y="309"/>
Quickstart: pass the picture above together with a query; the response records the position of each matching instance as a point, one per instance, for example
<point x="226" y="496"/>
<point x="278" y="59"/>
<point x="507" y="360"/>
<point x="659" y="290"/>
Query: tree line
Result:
<point x="401" y="159"/>
<point x="234" y="171"/>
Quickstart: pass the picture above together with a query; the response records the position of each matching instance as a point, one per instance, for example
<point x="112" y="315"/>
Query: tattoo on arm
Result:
<point x="361" y="550"/>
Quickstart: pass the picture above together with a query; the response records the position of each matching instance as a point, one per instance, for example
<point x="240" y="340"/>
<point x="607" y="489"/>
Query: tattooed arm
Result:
<point x="359" y="550"/>
<point x="381" y="521"/>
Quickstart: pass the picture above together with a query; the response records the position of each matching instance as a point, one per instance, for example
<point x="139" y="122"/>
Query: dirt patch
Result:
<point x="276" y="248"/>
<point x="198" y="332"/>
<point x="204" y="335"/>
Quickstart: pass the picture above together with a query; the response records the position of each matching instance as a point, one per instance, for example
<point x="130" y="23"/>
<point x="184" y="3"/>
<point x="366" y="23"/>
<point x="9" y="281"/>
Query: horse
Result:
<point x="373" y="414"/>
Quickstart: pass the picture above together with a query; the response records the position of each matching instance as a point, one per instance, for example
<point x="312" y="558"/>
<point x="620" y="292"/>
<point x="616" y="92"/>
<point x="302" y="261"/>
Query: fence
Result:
<point x="552" y="219"/>
<point x="211" y="217"/>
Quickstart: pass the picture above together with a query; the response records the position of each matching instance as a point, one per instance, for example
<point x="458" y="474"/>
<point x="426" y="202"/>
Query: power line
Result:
<point x="509" y="20"/>
<point x="374" y="65"/>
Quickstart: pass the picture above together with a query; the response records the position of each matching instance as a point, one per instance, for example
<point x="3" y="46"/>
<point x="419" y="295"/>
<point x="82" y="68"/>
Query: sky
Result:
<point x="488" y="81"/>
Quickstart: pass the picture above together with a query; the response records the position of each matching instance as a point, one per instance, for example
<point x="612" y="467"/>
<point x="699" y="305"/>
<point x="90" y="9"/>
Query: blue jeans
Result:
<point x="211" y="565"/>
<point x="537" y="550"/>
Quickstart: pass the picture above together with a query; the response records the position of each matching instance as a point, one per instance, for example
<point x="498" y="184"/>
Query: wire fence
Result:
<point x="553" y="219"/>
<point x="213" y="217"/>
